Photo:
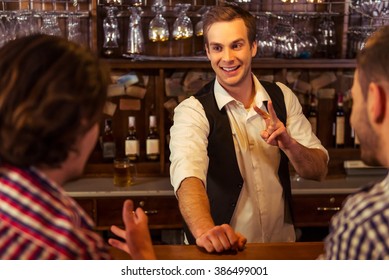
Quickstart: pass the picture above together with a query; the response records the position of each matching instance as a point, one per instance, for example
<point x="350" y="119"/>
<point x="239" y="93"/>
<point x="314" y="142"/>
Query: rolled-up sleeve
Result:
<point x="188" y="143"/>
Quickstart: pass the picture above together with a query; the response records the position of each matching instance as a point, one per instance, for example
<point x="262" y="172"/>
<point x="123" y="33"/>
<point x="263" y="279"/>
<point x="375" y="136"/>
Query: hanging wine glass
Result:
<point x="135" y="41"/>
<point x="50" y="24"/>
<point x="266" y="41"/>
<point x="158" y="28"/>
<point x="282" y="31"/>
<point x="24" y="24"/>
<point x="308" y="42"/>
<point x="292" y="44"/>
<point x="326" y="37"/>
<point x="199" y="25"/>
<point x="182" y="27"/>
<point x="3" y="33"/>
<point x="74" y="26"/>
<point x="199" y="32"/>
<point x="111" y="31"/>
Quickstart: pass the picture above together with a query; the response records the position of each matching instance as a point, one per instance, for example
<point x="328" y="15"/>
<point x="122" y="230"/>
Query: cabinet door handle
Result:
<point x="151" y="212"/>
<point x="328" y="208"/>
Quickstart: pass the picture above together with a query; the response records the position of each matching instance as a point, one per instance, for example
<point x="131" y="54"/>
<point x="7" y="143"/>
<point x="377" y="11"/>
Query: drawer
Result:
<point x="162" y="211"/>
<point x="316" y="210"/>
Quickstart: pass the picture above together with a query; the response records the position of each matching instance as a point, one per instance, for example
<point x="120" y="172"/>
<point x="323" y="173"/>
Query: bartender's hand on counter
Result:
<point x="136" y="234"/>
<point x="221" y="238"/>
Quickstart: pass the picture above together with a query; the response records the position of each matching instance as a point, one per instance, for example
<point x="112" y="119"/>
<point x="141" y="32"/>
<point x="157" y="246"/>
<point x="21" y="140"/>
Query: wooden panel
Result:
<point x="316" y="210"/>
<point x="252" y="251"/>
<point x="162" y="211"/>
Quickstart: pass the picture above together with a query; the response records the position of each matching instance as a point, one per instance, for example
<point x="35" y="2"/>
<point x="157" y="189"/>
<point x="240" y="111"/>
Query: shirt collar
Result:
<point x="223" y="97"/>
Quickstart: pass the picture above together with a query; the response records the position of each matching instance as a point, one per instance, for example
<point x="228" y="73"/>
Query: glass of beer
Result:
<point x="124" y="172"/>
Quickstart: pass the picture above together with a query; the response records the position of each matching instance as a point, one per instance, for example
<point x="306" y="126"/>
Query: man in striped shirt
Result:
<point x="361" y="229"/>
<point x="52" y="93"/>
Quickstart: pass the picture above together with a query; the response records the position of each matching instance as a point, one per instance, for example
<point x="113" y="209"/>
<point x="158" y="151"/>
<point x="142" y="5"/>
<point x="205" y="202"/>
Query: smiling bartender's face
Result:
<point x="230" y="52"/>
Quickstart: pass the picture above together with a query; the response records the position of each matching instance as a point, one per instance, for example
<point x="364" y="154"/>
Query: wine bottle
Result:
<point x="108" y="142"/>
<point x="339" y="124"/>
<point x="152" y="141"/>
<point x="132" y="141"/>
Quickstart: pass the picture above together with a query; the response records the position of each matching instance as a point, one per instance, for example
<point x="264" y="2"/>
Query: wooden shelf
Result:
<point x="258" y="63"/>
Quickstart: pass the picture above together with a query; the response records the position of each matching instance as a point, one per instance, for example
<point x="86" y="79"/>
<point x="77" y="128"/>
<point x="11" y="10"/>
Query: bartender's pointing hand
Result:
<point x="275" y="133"/>
<point x="221" y="238"/>
<point x="136" y="234"/>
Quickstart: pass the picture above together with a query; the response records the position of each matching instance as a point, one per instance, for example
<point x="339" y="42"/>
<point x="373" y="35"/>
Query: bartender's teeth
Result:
<point x="230" y="68"/>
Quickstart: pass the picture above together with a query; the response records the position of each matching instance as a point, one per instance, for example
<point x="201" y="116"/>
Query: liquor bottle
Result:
<point x="339" y="124"/>
<point x="132" y="141"/>
<point x="152" y="141"/>
<point x="108" y="142"/>
<point x="312" y="114"/>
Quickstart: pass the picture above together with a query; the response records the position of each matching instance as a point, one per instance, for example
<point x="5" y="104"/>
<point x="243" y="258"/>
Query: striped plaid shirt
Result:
<point x="361" y="229"/>
<point x="38" y="220"/>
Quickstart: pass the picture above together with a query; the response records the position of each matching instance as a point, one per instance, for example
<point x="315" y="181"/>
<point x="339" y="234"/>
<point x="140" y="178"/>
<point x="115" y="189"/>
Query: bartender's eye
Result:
<point x="237" y="46"/>
<point x="216" y="48"/>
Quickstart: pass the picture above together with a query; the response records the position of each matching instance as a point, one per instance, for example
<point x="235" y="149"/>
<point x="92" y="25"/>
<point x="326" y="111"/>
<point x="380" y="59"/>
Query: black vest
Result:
<point x="224" y="180"/>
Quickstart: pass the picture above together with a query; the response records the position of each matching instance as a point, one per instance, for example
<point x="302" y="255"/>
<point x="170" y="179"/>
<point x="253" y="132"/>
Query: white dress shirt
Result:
<point x="259" y="213"/>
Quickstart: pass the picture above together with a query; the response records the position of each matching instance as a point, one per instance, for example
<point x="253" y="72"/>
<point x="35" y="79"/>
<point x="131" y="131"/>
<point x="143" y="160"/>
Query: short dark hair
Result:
<point x="229" y="12"/>
<point x="51" y="92"/>
<point x="373" y="59"/>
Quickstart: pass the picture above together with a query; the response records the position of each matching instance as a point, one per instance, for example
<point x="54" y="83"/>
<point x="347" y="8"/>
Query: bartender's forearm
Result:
<point x="194" y="206"/>
<point x="308" y="163"/>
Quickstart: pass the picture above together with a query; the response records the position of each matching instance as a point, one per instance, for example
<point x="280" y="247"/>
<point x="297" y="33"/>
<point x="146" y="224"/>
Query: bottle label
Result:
<point x="132" y="147"/>
<point x="152" y="146"/>
<point x="340" y="130"/>
<point x="109" y="150"/>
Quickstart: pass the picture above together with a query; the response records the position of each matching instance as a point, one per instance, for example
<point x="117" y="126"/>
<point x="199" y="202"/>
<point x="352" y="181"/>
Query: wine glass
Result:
<point x="199" y="25"/>
<point x="24" y="24"/>
<point x="285" y="41"/>
<point x="308" y="42"/>
<point x="111" y="30"/>
<point x="74" y="25"/>
<point x="326" y="37"/>
<point x="266" y="41"/>
<point x="158" y="28"/>
<point x="135" y="41"/>
<point x="50" y="24"/>
<point x="182" y="27"/>
<point x="199" y="32"/>
<point x="3" y="33"/>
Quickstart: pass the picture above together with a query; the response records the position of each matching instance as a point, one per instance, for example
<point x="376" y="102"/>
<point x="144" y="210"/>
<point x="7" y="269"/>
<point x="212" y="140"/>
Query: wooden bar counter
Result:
<point x="253" y="251"/>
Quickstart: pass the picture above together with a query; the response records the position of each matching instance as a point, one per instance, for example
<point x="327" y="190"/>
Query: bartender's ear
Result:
<point x="254" y="48"/>
<point x="376" y="102"/>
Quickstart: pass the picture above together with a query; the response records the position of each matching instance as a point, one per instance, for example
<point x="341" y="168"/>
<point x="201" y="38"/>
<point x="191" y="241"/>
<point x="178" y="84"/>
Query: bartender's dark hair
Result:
<point x="372" y="60"/>
<point x="51" y="92"/>
<point x="229" y="12"/>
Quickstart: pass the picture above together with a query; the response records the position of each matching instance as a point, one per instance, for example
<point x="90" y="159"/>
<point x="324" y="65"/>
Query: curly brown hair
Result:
<point x="51" y="92"/>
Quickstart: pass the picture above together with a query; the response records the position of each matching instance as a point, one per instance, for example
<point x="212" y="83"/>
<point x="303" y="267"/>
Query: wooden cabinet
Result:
<point x="162" y="211"/>
<point x="316" y="210"/>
